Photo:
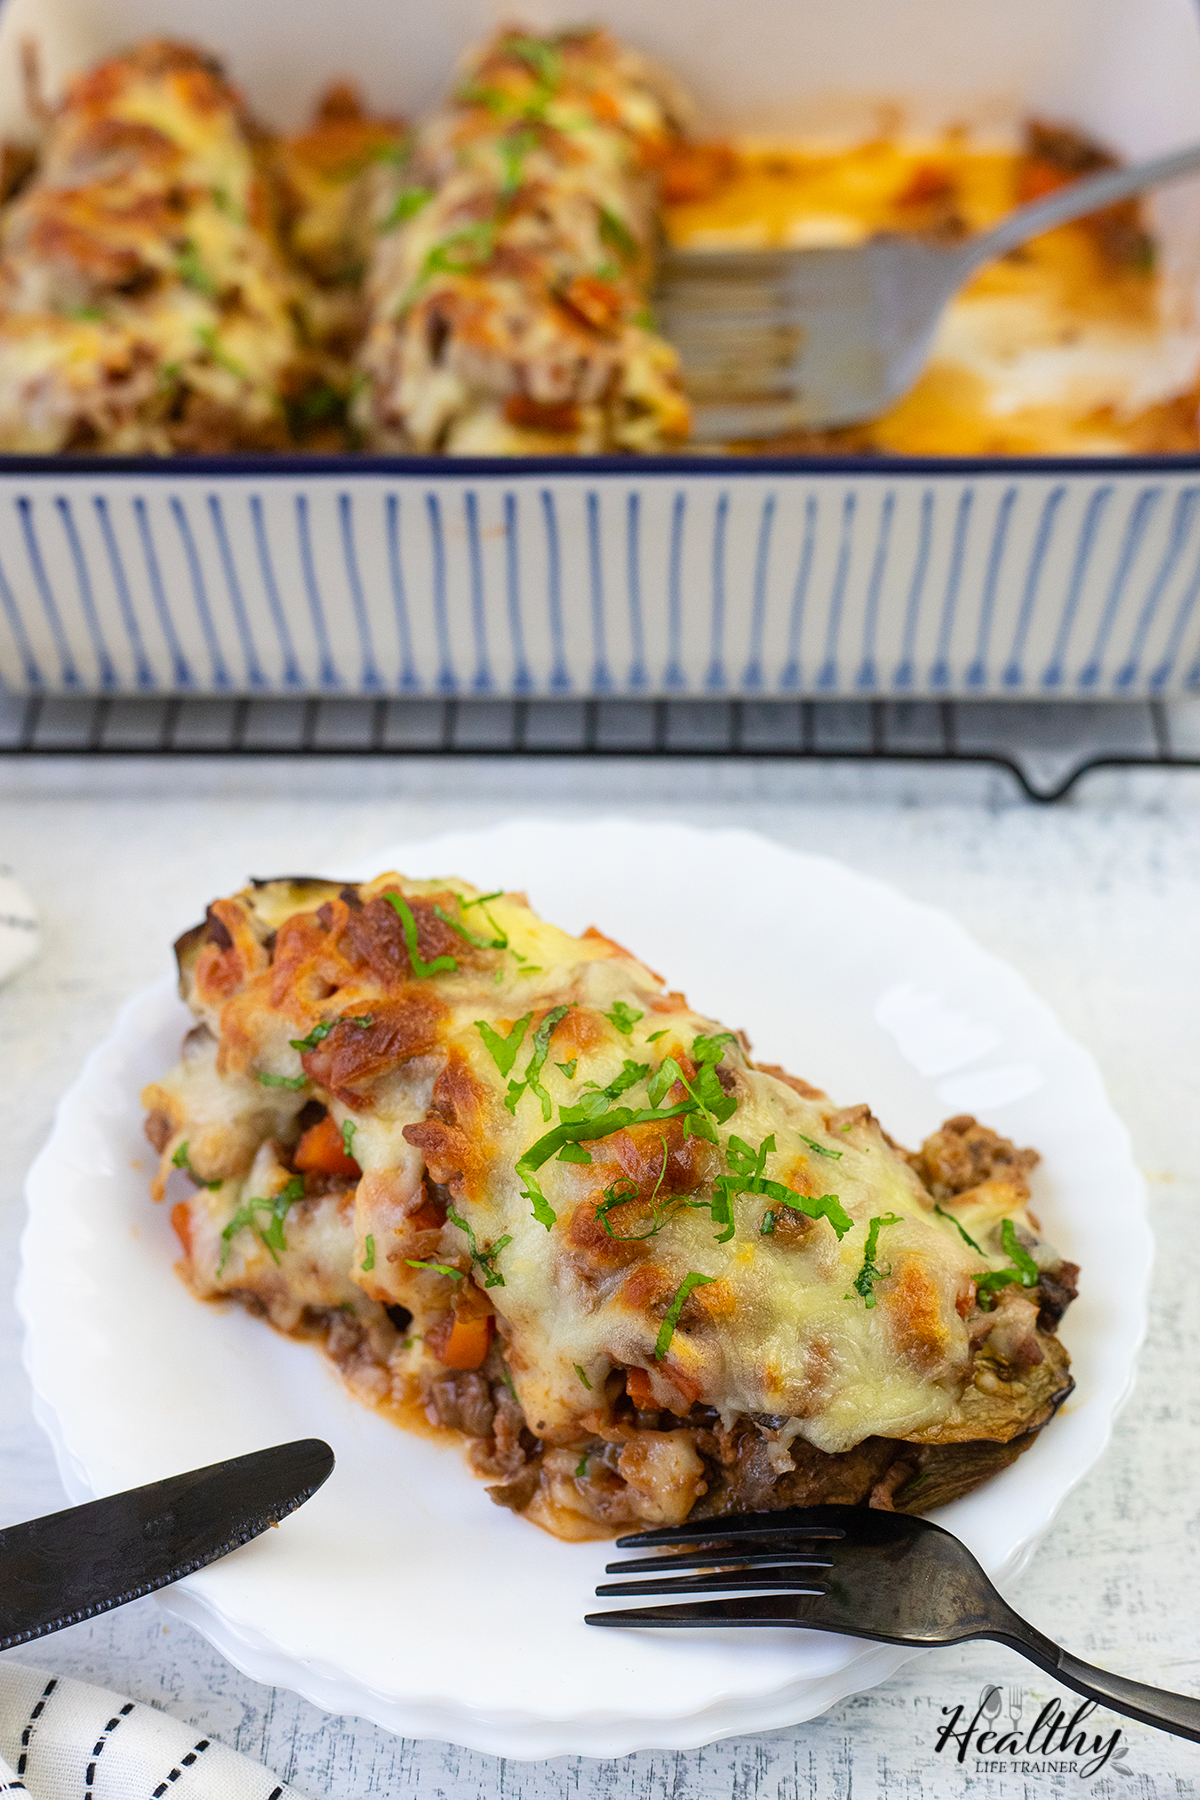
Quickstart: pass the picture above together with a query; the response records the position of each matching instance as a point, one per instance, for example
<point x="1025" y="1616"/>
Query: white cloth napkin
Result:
<point x="63" y="1740"/>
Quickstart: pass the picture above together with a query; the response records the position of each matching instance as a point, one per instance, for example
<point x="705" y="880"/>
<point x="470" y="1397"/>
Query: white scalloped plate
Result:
<point x="400" y="1592"/>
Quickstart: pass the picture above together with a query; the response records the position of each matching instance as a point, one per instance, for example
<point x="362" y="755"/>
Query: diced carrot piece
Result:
<point x="465" y="1344"/>
<point x="927" y="182"/>
<point x="322" y="1152"/>
<point x="598" y="302"/>
<point x="637" y="1386"/>
<point x="693" y="172"/>
<point x="1037" y="178"/>
<point x="181" y="1219"/>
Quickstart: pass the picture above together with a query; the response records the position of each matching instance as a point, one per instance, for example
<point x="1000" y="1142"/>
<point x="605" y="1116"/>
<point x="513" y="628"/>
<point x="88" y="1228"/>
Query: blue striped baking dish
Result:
<point x="665" y="576"/>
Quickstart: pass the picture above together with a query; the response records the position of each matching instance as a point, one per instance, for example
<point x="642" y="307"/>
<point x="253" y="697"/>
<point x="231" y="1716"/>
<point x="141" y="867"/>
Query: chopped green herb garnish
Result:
<point x="499" y="942"/>
<point x="323" y="1030"/>
<point x="207" y="337"/>
<point x="191" y="270"/>
<point x="474" y="93"/>
<point x="623" y="1017"/>
<point x="368" y="1261"/>
<point x="481" y="899"/>
<point x="569" y="1068"/>
<point x="485" y="1258"/>
<point x="543" y="1212"/>
<point x="180" y="1161"/>
<point x="631" y="1073"/>
<point x="1014" y="1248"/>
<point x="705" y="1106"/>
<point x="349" y="1128"/>
<point x="574" y="1153"/>
<point x="583" y="1378"/>
<point x="747" y="1177"/>
<point x="617" y="235"/>
<point x="666" y="1330"/>
<point x="437" y="1267"/>
<point x="716" y="1106"/>
<point x="581" y="1465"/>
<point x="1023" y="1269"/>
<point x="508" y="1380"/>
<point x="476" y="242"/>
<point x="571" y="1131"/>
<point x="655" y="1035"/>
<point x="405" y="206"/>
<point x="512" y="151"/>
<point x="710" y="1104"/>
<point x="503" y="1050"/>
<point x="663" y="1080"/>
<point x="963" y="1234"/>
<point x="544" y="59"/>
<point x="294" y="1082"/>
<point x="224" y="202"/>
<point x="533" y="1068"/>
<point x="276" y="1209"/>
<point x="622" y="1192"/>
<point x="408" y="925"/>
<point x="768" y="1224"/>
<point x="869" y="1274"/>
<point x="90" y="313"/>
<point x="821" y="1149"/>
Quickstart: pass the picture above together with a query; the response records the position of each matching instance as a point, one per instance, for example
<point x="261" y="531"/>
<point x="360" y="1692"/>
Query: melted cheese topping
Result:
<point x="447" y="1034"/>
<point x="1059" y="349"/>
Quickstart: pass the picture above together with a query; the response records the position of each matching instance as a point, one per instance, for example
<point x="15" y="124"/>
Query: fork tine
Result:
<point x="790" y="1524"/>
<point x="799" y="1581"/>
<point x="771" y="1609"/>
<point x="725" y="1559"/>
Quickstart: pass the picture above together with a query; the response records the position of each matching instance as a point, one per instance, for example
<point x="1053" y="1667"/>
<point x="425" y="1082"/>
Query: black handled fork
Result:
<point x="867" y="1574"/>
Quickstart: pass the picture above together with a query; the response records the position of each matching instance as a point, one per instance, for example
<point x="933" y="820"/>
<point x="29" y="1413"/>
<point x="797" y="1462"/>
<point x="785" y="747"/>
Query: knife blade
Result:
<point x="71" y="1565"/>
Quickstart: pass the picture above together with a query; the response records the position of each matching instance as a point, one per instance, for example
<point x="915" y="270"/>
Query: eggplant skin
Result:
<point x="187" y="948"/>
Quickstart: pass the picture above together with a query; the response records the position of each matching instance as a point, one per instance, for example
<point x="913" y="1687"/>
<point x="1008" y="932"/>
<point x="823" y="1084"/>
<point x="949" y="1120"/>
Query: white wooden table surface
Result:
<point x="1098" y="903"/>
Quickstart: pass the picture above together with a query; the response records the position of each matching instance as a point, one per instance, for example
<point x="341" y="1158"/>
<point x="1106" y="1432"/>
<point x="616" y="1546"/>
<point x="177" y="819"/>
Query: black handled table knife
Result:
<point x="74" y="1564"/>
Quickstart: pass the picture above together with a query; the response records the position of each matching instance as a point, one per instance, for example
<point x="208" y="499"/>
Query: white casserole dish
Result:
<point x="664" y="576"/>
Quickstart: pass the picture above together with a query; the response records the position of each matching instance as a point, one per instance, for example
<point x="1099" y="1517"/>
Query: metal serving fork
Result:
<point x="783" y="340"/>
<point x="867" y="1574"/>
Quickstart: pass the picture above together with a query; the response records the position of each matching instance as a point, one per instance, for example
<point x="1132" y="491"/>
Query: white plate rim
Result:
<point x="527" y="1735"/>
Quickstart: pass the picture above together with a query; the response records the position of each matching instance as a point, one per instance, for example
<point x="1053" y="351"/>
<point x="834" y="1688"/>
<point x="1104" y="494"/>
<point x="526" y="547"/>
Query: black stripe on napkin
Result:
<point x="185" y="1762"/>
<point x="101" y="1741"/>
<point x="34" y="1716"/>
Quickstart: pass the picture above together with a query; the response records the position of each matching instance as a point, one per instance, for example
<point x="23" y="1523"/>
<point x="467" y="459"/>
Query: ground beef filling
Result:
<point x="744" y="1469"/>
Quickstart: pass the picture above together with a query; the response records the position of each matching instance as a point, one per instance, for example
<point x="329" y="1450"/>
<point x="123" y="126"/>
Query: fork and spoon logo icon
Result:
<point x="991" y="1703"/>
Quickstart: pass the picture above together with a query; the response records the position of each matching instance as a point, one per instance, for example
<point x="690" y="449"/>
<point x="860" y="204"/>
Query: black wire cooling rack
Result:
<point x="1047" y="746"/>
